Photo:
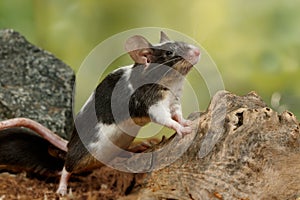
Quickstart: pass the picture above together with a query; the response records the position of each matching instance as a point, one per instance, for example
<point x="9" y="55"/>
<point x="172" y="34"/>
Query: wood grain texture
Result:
<point x="240" y="149"/>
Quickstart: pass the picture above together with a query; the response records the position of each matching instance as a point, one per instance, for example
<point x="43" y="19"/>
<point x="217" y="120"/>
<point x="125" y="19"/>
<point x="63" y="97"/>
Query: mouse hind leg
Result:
<point x="77" y="160"/>
<point x="63" y="182"/>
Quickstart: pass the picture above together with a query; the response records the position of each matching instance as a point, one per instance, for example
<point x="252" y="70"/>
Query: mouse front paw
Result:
<point x="186" y="122"/>
<point x="184" y="130"/>
<point x="183" y="122"/>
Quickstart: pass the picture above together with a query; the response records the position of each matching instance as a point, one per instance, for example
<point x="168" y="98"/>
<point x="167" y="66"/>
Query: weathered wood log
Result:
<point x="241" y="149"/>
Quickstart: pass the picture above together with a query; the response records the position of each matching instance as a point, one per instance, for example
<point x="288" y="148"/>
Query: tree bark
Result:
<point x="240" y="149"/>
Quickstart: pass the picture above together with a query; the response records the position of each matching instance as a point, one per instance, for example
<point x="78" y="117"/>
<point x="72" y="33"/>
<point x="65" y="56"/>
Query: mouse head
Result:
<point x="178" y="55"/>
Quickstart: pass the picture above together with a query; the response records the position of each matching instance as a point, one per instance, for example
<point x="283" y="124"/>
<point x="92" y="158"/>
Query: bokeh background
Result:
<point x="255" y="44"/>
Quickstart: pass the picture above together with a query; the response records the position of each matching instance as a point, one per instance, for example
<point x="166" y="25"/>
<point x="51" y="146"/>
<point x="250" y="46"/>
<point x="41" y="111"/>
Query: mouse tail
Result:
<point x="37" y="128"/>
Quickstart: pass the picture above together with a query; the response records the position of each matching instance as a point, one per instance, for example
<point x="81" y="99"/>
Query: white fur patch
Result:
<point x="102" y="148"/>
<point x="160" y="111"/>
<point x="130" y="88"/>
<point x="177" y="87"/>
<point x="106" y="131"/>
<point x="127" y="73"/>
<point x="125" y="68"/>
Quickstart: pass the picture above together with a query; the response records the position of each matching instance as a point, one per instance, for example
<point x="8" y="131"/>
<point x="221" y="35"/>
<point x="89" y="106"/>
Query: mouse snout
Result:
<point x="193" y="55"/>
<point x="196" y="51"/>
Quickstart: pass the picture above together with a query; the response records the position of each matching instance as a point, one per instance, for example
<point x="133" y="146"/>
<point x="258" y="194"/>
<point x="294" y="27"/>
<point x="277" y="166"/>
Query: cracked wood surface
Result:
<point x="240" y="149"/>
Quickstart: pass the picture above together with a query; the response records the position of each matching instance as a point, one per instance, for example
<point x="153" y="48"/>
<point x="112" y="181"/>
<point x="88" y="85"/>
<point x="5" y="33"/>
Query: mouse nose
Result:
<point x="196" y="51"/>
<point x="193" y="55"/>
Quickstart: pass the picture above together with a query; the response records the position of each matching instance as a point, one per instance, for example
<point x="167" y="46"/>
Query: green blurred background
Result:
<point x="255" y="44"/>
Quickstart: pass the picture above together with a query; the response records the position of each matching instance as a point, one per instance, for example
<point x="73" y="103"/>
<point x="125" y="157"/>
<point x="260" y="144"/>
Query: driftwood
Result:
<point x="241" y="150"/>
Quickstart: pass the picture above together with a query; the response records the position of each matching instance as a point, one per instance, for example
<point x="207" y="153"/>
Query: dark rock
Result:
<point x="34" y="84"/>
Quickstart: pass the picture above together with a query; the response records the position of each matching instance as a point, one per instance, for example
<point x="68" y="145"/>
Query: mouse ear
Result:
<point x="139" y="49"/>
<point x="164" y="37"/>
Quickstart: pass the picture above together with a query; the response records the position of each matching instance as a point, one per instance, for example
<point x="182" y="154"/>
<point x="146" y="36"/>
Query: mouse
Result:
<point x="149" y="90"/>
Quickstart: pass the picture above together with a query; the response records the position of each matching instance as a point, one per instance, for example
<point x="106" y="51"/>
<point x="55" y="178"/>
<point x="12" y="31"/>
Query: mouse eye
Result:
<point x="169" y="53"/>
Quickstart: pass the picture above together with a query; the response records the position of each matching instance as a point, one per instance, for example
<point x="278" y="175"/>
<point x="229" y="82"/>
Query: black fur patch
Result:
<point x="24" y="150"/>
<point x="103" y="97"/>
<point x="144" y="97"/>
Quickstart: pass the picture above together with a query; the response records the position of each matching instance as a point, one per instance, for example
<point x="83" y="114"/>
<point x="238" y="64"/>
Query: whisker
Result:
<point x="173" y="59"/>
